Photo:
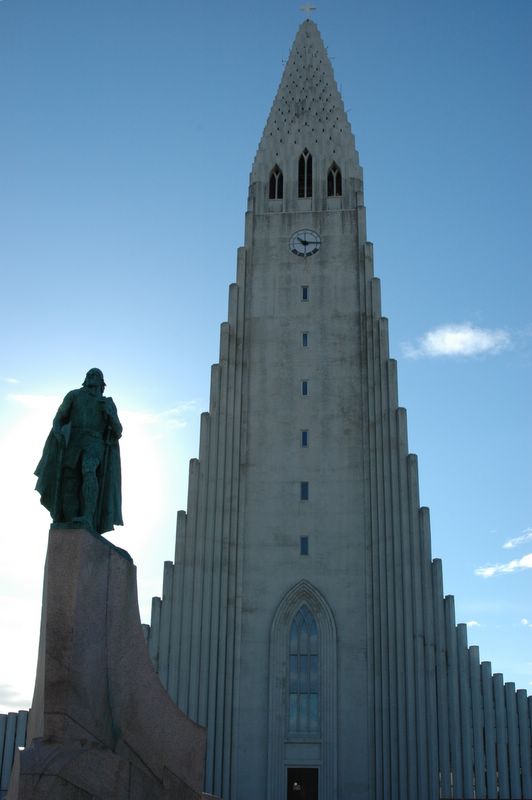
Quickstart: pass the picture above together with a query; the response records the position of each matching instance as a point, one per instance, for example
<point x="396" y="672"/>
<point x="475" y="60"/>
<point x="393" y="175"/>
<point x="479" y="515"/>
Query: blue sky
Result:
<point x="128" y="130"/>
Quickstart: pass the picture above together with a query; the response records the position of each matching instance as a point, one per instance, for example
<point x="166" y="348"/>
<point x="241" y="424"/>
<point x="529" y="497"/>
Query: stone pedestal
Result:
<point x="101" y="724"/>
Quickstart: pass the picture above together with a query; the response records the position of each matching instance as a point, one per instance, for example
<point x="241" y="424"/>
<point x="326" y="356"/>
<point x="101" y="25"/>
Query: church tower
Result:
<point x="303" y="621"/>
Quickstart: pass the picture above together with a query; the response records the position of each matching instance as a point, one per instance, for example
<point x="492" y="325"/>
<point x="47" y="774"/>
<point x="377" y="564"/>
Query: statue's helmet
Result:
<point x="91" y="375"/>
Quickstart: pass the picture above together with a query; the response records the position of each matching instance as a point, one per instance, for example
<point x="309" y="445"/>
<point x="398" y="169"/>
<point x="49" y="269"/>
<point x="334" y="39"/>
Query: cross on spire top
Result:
<point x="308" y="8"/>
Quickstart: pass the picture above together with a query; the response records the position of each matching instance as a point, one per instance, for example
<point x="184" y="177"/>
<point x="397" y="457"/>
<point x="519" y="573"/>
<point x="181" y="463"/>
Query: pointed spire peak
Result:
<point x="308" y="112"/>
<point x="308" y="94"/>
<point x="308" y="47"/>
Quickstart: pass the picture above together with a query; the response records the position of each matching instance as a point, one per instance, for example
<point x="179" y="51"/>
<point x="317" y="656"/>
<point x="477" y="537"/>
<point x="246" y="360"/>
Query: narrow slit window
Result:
<point x="304" y="294"/>
<point x="334" y="181"/>
<point x="305" y="174"/>
<point x="303" y="545"/>
<point x="303" y="490"/>
<point x="304" y="339"/>
<point x="304" y="388"/>
<point x="276" y="184"/>
<point x="304" y="438"/>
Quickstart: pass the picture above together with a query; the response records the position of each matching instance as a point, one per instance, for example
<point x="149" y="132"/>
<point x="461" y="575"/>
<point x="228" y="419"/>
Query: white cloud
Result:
<point x="517" y="540"/>
<point x="458" y="340"/>
<point x="526" y="623"/>
<point x="11" y="380"/>
<point x="473" y="624"/>
<point x="517" y="564"/>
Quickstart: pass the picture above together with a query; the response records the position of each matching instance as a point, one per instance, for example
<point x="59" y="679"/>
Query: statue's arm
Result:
<point x="112" y="417"/>
<point x="63" y="414"/>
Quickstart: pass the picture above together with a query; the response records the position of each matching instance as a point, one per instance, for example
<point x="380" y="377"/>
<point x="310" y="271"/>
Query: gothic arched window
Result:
<point x="304" y="679"/>
<point x="305" y="174"/>
<point x="334" y="181"/>
<point x="276" y="184"/>
<point x="303" y="691"/>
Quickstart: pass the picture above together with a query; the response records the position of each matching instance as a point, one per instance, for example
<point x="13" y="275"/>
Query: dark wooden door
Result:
<point x="302" y="783"/>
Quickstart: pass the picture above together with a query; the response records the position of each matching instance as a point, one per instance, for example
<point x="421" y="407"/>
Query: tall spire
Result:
<point x="304" y="620"/>
<point x="307" y="113"/>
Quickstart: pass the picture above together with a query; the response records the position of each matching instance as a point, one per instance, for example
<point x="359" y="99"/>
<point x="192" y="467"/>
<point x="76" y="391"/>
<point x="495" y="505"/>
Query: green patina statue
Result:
<point x="79" y="476"/>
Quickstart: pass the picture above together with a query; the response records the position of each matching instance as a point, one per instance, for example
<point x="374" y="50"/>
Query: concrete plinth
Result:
<point x="101" y="725"/>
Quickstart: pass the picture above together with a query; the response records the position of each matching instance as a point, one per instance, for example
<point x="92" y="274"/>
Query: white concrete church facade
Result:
<point x="303" y="621"/>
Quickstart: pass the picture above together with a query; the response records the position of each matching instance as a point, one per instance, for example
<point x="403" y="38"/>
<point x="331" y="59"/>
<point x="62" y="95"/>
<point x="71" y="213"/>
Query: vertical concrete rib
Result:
<point x="376" y="298"/>
<point x="208" y="621"/>
<point x="217" y="437"/>
<point x="188" y="582"/>
<point x="430" y="655"/>
<point x="488" y="704"/>
<point x="372" y="612"/>
<point x="208" y="663"/>
<point x="384" y="456"/>
<point x="166" y="617"/>
<point x="408" y="616"/>
<point x="9" y="749"/>
<point x="525" y="746"/>
<point x="230" y="503"/>
<point x="378" y="515"/>
<point x="176" y="643"/>
<point x="378" y="674"/>
<point x="236" y="321"/>
<point x="465" y="709"/>
<point x="501" y="737"/>
<point x="199" y="570"/>
<point x="479" y="761"/>
<point x="398" y="451"/>
<point x="219" y="600"/>
<point x="513" y="741"/>
<point x="529" y="703"/>
<point x="454" y="697"/>
<point x="419" y="655"/>
<point x="3" y="724"/>
<point x="444" y="756"/>
<point x="155" y="627"/>
<point x="22" y="724"/>
<point x="222" y="598"/>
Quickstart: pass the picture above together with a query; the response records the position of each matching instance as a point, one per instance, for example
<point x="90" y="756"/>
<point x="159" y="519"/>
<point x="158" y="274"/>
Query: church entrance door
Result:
<point x="302" y="783"/>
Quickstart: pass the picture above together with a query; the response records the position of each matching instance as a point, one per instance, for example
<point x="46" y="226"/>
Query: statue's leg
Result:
<point x="70" y="494"/>
<point x="89" y="489"/>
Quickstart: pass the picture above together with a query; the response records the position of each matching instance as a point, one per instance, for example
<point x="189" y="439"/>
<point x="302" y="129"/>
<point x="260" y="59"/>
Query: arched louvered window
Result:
<point x="304" y="679"/>
<point x="334" y="181"/>
<point x="305" y="174"/>
<point x="276" y="184"/>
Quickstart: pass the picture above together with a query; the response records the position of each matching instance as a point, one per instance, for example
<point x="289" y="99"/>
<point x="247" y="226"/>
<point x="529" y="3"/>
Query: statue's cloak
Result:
<point x="48" y="485"/>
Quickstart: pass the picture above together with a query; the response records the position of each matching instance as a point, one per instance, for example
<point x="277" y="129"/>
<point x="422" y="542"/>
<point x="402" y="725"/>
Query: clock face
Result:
<point x="305" y="242"/>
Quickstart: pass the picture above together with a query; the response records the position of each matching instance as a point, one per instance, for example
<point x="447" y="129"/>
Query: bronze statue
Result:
<point x="79" y="476"/>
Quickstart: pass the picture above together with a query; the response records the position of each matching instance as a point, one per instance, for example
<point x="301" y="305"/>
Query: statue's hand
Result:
<point x="112" y="416"/>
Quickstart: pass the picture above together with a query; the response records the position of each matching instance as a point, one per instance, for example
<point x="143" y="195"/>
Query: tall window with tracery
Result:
<point x="304" y="679"/>
<point x="276" y="184"/>
<point x="334" y="181"/>
<point x="305" y="174"/>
